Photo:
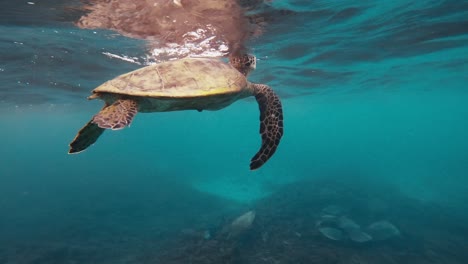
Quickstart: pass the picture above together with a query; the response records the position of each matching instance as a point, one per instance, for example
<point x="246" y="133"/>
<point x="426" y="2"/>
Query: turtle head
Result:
<point x="243" y="63"/>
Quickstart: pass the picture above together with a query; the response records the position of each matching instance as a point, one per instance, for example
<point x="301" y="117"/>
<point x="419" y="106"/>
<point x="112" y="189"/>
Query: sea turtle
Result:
<point x="184" y="84"/>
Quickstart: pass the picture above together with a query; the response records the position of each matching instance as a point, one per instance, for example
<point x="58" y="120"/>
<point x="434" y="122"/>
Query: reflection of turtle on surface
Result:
<point x="185" y="84"/>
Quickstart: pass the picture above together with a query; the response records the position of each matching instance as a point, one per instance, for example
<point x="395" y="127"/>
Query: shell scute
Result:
<point x="191" y="77"/>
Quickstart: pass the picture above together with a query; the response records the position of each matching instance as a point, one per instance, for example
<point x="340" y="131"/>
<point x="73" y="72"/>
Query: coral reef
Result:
<point x="285" y="231"/>
<point x="191" y="227"/>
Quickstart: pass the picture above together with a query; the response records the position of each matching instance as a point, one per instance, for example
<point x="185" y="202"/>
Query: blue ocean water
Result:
<point x="375" y="107"/>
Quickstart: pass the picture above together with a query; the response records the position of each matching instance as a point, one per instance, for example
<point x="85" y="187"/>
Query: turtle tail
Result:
<point x="271" y="123"/>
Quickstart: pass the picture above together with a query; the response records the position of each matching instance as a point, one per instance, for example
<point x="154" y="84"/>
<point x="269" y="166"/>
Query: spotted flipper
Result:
<point x="271" y="124"/>
<point x="85" y="137"/>
<point x="117" y="115"/>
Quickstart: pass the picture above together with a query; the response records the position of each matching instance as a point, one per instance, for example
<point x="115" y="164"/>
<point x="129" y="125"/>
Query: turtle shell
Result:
<point x="184" y="78"/>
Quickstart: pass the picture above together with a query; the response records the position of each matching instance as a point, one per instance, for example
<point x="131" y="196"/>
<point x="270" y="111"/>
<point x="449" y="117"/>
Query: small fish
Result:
<point x="347" y="223"/>
<point x="331" y="233"/>
<point x="357" y="235"/>
<point x="242" y="223"/>
<point x="383" y="230"/>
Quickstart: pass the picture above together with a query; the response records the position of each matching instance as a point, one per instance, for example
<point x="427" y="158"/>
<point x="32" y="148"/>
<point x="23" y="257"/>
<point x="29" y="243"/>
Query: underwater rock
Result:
<point x="383" y="230"/>
<point x="241" y="223"/>
<point x="331" y="233"/>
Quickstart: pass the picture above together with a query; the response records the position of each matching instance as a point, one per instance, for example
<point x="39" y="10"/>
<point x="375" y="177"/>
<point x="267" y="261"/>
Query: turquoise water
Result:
<point x="375" y="108"/>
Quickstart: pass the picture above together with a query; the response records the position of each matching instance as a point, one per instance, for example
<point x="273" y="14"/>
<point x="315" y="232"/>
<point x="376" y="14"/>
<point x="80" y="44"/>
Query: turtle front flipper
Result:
<point x="117" y="115"/>
<point x="85" y="137"/>
<point x="271" y="123"/>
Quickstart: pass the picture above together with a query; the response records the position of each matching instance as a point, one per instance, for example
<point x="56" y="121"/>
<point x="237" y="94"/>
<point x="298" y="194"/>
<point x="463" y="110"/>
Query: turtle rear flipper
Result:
<point x="117" y="115"/>
<point x="271" y="123"/>
<point x="85" y="137"/>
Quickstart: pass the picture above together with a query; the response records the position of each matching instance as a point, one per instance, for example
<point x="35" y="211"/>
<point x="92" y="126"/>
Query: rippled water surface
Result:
<point x="375" y="117"/>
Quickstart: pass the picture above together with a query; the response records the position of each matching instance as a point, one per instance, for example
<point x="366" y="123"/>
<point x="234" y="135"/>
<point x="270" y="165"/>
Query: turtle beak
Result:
<point x="254" y="65"/>
<point x="253" y="61"/>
